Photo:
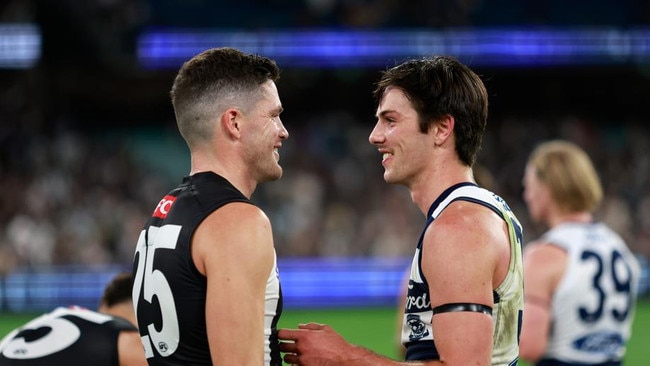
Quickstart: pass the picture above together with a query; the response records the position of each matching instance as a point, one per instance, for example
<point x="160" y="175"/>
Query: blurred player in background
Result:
<point x="581" y="279"/>
<point x="464" y="297"/>
<point x="76" y="336"/>
<point x="207" y="290"/>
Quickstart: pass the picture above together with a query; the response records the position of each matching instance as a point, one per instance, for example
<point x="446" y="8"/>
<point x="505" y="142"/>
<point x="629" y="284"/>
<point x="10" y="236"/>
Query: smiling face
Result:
<point x="397" y="135"/>
<point x="263" y="135"/>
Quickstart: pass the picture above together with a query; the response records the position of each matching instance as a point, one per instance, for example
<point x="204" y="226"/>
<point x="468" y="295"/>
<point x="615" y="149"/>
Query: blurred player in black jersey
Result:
<point x="206" y="289"/>
<point x="77" y="336"/>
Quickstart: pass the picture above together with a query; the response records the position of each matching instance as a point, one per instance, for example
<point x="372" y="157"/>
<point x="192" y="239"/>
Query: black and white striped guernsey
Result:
<point x="170" y="293"/>
<point x="65" y="336"/>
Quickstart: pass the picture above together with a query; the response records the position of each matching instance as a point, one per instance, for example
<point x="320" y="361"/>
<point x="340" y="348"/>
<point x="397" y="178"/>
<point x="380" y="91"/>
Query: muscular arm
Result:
<point x="315" y="344"/>
<point x="233" y="248"/>
<point x="543" y="268"/>
<point x="464" y="257"/>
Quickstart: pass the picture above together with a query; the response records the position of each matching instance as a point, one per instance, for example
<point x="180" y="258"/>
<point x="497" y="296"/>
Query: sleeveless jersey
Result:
<point x="66" y="336"/>
<point x="417" y="332"/>
<point x="169" y="293"/>
<point x="593" y="305"/>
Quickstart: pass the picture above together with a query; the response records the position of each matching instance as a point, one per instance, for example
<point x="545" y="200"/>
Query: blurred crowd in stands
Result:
<point x="72" y="197"/>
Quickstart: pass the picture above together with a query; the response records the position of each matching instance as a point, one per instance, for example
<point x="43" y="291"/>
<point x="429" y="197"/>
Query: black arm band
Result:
<point x="462" y="306"/>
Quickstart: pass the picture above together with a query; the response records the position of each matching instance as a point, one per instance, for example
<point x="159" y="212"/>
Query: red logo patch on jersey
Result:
<point x="164" y="206"/>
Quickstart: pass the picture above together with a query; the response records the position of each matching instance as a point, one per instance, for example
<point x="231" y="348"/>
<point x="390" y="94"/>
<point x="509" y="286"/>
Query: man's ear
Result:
<point x="442" y="129"/>
<point x="230" y="123"/>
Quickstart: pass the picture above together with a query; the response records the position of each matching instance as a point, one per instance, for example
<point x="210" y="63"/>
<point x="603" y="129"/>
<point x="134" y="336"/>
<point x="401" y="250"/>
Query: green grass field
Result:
<point x="375" y="328"/>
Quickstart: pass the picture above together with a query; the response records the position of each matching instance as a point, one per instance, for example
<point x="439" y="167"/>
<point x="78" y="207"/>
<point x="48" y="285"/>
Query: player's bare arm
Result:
<point x="544" y="265"/>
<point x="465" y="262"/>
<point x="464" y="259"/>
<point x="312" y="344"/>
<point x="233" y="248"/>
<point x="130" y="349"/>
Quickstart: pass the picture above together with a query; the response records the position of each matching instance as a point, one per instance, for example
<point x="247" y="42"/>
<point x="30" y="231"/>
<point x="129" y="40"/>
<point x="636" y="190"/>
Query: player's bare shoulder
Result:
<point x="236" y="230"/>
<point x="466" y="221"/>
<point x="541" y="251"/>
<point x="235" y="215"/>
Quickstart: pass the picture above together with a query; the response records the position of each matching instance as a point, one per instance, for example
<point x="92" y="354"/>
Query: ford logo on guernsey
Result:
<point x="164" y="206"/>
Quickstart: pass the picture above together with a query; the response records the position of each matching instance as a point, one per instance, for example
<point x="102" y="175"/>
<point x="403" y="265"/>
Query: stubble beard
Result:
<point x="269" y="169"/>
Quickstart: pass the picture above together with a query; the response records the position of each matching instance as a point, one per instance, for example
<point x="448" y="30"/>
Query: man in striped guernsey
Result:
<point x="464" y="300"/>
<point x="206" y="288"/>
<point x="76" y="336"/>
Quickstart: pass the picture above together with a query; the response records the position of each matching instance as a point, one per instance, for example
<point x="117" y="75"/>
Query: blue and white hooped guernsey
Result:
<point x="417" y="332"/>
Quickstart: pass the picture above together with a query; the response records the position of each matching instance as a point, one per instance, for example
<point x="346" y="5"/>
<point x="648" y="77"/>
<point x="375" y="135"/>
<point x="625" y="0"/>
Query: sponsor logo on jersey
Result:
<point x="163" y="347"/>
<point x="419" y="302"/>
<point x="604" y="342"/>
<point x="164" y="206"/>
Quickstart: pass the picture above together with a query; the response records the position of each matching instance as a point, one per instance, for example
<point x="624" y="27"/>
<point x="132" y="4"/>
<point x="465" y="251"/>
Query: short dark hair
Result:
<point x="439" y="86"/>
<point x="211" y="78"/>
<point x="118" y="290"/>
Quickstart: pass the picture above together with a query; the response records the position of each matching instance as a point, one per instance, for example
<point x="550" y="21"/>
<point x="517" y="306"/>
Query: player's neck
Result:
<point x="576" y="217"/>
<point x="430" y="186"/>
<point x="123" y="310"/>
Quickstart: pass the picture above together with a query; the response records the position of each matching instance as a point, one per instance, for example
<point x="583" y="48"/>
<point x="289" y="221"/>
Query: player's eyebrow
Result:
<point x="385" y="112"/>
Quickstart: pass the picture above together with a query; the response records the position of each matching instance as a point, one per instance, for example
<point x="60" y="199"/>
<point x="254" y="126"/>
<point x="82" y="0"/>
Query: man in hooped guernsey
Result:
<point x="207" y="289"/>
<point x="582" y="281"/>
<point x="464" y="300"/>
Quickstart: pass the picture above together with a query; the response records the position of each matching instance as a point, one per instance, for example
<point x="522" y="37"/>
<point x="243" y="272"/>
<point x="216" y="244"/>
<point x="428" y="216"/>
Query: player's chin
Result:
<point x="390" y="177"/>
<point x="273" y="174"/>
<point x="395" y="179"/>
